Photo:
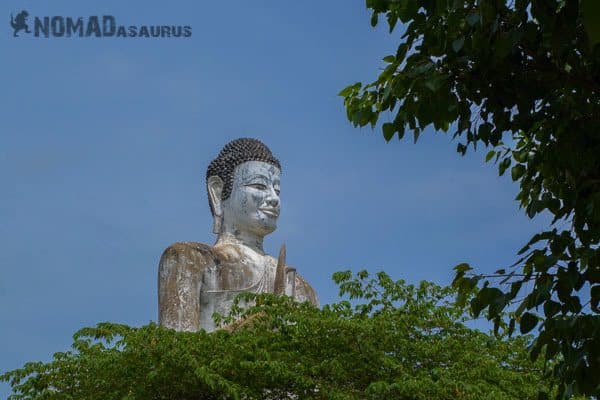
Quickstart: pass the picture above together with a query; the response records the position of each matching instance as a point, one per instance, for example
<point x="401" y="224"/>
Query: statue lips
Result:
<point x="271" y="212"/>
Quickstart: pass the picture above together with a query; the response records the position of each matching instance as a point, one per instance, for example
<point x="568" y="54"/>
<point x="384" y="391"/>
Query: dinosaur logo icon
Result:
<point x="19" y="23"/>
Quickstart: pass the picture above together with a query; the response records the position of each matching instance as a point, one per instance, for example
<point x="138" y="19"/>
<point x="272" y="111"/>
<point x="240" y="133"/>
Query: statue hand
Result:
<point x="279" y="287"/>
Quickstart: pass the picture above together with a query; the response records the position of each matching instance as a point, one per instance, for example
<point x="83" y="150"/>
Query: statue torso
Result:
<point x="196" y="281"/>
<point x="237" y="269"/>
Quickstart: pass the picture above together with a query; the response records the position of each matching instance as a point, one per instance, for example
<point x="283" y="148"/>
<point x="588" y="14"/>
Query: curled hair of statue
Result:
<point x="234" y="153"/>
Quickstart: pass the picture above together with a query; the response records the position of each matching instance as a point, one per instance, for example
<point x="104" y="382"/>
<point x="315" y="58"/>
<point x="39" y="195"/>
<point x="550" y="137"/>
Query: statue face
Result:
<point x="253" y="206"/>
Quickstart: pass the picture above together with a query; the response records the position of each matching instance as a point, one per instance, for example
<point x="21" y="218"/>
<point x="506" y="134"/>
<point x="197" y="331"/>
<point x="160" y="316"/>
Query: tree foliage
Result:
<point x="386" y="339"/>
<point x="521" y="78"/>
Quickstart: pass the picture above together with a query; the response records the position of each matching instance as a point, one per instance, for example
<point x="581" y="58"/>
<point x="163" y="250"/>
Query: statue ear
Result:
<point x="215" y="189"/>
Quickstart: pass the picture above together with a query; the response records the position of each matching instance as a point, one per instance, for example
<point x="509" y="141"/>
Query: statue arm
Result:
<point x="180" y="272"/>
<point x="305" y="292"/>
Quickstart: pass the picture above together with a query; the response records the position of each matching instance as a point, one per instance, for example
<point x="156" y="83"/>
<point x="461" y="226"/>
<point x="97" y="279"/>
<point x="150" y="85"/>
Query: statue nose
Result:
<point x="273" y="200"/>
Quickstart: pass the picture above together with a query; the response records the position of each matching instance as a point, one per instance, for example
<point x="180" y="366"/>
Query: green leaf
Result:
<point x="590" y="10"/>
<point x="401" y="52"/>
<point x="503" y="166"/>
<point x="458" y="44"/>
<point x="517" y="172"/>
<point x="462" y="267"/>
<point x="348" y="90"/>
<point x="392" y="21"/>
<point x="435" y="82"/>
<point x="345" y="91"/>
<point x="551" y="307"/>
<point x="515" y="287"/>
<point x="476" y="306"/>
<point x="473" y="18"/>
<point x="511" y="326"/>
<point x="490" y="155"/>
<point x="388" y="131"/>
<point x="488" y="295"/>
<point x="595" y="298"/>
<point x="543" y="396"/>
<point x="356" y="117"/>
<point x="484" y="131"/>
<point x="401" y="132"/>
<point x="502" y="46"/>
<point x="374" y="18"/>
<point x="407" y="10"/>
<point x="528" y="322"/>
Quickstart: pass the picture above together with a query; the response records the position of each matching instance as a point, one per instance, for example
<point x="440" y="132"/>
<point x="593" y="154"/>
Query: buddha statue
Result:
<point x="196" y="280"/>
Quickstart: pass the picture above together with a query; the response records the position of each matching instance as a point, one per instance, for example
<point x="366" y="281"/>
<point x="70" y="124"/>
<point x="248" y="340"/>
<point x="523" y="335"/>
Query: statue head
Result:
<point x="243" y="188"/>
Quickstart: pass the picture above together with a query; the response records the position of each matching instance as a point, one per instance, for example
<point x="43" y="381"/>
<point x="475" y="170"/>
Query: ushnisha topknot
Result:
<point x="234" y="153"/>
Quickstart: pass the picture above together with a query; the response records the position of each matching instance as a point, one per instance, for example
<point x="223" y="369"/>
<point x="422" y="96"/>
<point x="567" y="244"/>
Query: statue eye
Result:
<point x="258" y="186"/>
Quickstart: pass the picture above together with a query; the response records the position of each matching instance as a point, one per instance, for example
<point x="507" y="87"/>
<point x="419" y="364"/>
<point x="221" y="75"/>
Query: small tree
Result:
<point x="522" y="78"/>
<point x="398" y="341"/>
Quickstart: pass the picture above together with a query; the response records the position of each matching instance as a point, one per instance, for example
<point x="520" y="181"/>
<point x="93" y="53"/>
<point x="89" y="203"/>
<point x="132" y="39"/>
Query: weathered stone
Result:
<point x="196" y="280"/>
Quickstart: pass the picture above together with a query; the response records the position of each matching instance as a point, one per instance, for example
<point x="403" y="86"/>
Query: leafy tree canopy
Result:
<point x="521" y="78"/>
<point x="397" y="341"/>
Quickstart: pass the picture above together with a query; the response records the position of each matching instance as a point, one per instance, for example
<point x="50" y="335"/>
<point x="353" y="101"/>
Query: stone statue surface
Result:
<point x="196" y="280"/>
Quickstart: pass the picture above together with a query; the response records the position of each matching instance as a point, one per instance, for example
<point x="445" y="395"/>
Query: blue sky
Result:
<point x="105" y="142"/>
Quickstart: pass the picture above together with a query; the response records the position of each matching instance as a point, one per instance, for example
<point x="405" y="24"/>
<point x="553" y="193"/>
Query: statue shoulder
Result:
<point x="180" y="272"/>
<point x="191" y="255"/>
